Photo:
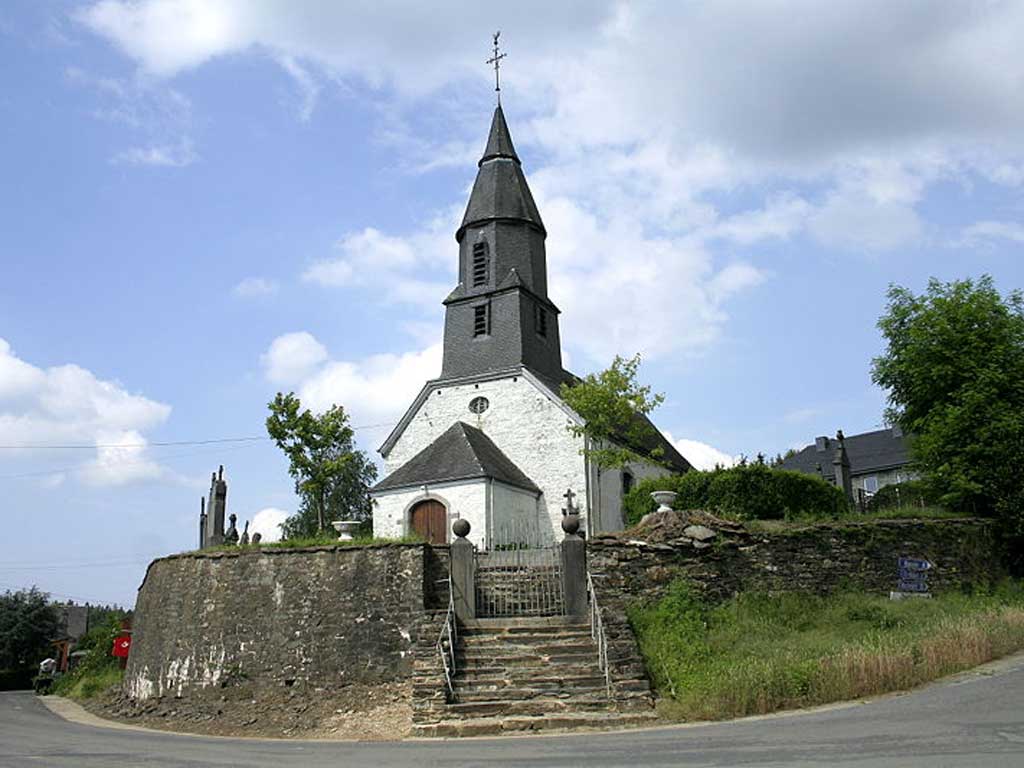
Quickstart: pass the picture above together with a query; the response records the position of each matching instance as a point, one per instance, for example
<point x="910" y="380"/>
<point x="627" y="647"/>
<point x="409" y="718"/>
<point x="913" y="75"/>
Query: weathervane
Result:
<point x="496" y="61"/>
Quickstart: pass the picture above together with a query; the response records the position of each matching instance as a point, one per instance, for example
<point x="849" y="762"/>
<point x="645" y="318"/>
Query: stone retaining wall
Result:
<point x="291" y="617"/>
<point x="326" y="616"/>
<point x="818" y="558"/>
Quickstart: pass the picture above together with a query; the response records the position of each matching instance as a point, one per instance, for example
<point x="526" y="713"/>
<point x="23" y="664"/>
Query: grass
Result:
<point x="326" y="540"/>
<point x="761" y="653"/>
<point x="89" y="683"/>
<point x="852" y="516"/>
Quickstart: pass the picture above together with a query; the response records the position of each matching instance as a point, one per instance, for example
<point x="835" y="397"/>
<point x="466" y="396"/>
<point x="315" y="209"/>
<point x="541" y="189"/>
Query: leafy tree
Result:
<point x="614" y="408"/>
<point x="332" y="477"/>
<point x="28" y="622"/>
<point x="954" y="370"/>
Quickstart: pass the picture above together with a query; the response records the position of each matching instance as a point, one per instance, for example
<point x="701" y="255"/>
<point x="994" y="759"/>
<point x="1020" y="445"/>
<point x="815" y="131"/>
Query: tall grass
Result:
<point x="758" y="653"/>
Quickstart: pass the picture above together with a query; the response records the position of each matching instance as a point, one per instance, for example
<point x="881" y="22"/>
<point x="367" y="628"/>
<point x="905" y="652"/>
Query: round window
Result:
<point x="479" y="404"/>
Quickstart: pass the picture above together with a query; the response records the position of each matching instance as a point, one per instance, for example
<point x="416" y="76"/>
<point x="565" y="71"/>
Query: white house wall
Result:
<point x="608" y="513"/>
<point x="522" y="420"/>
<point x="466" y="500"/>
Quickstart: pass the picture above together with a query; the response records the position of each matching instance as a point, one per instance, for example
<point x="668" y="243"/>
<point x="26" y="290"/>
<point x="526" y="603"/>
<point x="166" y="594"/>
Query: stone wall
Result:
<point x="720" y="560"/>
<point x="321" y="616"/>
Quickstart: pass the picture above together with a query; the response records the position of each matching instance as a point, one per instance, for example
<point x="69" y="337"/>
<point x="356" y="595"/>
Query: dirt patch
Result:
<point x="358" y="711"/>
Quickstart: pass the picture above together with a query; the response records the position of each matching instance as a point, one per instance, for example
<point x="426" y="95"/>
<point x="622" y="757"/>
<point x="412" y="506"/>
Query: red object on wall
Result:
<point x="122" y="644"/>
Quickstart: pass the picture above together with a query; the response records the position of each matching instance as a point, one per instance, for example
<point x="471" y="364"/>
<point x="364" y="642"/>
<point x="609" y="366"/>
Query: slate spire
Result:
<point x="499" y="140"/>
<point x="500" y="192"/>
<point x="499" y="315"/>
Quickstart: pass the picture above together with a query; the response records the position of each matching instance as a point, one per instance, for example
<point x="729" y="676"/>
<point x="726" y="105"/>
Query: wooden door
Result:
<point x="429" y="521"/>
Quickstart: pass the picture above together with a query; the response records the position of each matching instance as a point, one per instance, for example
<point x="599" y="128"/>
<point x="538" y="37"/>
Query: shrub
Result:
<point x="913" y="493"/>
<point x="744" y="492"/>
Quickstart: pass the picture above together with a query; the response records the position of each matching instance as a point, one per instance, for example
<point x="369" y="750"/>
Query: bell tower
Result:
<point x="499" y="316"/>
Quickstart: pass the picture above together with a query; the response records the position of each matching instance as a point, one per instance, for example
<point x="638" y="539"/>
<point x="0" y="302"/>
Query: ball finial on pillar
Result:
<point x="571" y="524"/>
<point x="461" y="528"/>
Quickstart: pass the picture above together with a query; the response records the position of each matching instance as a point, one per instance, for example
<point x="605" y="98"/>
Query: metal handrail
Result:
<point x="451" y="630"/>
<point x="598" y="635"/>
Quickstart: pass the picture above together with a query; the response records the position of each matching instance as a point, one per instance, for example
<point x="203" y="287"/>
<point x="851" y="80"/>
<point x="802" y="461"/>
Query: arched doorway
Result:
<point x="429" y="520"/>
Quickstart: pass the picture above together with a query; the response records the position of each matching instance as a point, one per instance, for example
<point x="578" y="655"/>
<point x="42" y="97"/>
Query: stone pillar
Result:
<point x="215" y="509"/>
<point x="463" y="570"/>
<point x="841" y="468"/>
<point x="574" y="568"/>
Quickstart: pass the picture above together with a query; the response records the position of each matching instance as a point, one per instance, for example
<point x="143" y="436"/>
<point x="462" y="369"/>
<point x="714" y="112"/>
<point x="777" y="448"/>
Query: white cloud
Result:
<point x="986" y="231"/>
<point x="417" y="269"/>
<point x="68" y="404"/>
<point x="733" y="123"/>
<point x="267" y="523"/>
<point x="167" y="155"/>
<point x="376" y="390"/>
<point x="159" y="114"/>
<point x="293" y="357"/>
<point x="121" y="459"/>
<point x="252" y="287"/>
<point x="703" y="456"/>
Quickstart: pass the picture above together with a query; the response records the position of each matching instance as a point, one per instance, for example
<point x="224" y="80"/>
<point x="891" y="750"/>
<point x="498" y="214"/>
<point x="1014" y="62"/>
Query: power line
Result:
<point x="166" y="443"/>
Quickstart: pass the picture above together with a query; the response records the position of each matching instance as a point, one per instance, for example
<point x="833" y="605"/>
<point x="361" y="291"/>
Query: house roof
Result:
<point x="462" y="452"/>
<point x="868" y="452"/>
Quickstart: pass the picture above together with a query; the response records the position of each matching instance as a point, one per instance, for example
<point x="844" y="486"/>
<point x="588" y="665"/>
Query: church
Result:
<point x="489" y="441"/>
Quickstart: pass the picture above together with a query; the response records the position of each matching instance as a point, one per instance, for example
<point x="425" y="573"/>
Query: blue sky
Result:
<point x="207" y="202"/>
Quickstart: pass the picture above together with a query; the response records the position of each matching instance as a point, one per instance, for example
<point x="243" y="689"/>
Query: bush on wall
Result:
<point x="744" y="492"/>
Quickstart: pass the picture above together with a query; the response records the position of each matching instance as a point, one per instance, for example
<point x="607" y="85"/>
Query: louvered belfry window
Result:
<point x="540" y="320"/>
<point x="480" y="265"/>
<point x="480" y="321"/>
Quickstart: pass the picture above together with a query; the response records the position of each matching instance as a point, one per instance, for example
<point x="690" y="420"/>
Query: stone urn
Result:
<point x="664" y="500"/>
<point x="346" y="528"/>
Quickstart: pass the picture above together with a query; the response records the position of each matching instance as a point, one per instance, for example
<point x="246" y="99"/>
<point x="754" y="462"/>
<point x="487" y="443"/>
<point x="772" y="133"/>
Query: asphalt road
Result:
<point x="974" y="720"/>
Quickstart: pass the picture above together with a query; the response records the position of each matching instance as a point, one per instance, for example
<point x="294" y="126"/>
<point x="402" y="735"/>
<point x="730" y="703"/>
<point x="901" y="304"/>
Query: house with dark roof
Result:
<point x="489" y="440"/>
<point x="875" y="459"/>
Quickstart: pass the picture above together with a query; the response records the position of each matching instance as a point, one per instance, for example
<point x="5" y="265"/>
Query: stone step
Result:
<point x="523" y="623"/>
<point x="507" y="686"/>
<point x="520" y="724"/>
<point x="487" y="642"/>
<point x="494" y="650"/>
<point x="509" y="661"/>
<point x="541" y="705"/>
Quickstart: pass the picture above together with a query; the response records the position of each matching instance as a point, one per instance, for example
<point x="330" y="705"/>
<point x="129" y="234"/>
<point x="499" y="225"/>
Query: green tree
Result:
<point x="28" y="622"/>
<point x="332" y="477"/>
<point x="614" y="409"/>
<point x="954" y="371"/>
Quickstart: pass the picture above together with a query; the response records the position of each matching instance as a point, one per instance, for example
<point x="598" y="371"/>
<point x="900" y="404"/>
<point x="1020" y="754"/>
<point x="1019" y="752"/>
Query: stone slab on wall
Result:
<point x="818" y="558"/>
<point x="322" y="615"/>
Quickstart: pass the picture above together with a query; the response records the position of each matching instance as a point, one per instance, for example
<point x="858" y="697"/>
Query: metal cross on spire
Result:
<point x="496" y="61"/>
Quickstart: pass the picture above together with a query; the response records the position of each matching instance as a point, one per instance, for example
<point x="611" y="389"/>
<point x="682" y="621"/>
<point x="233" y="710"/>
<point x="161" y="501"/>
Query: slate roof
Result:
<point x="462" y="452"/>
<point x="500" y="190"/>
<point x="869" y="452"/>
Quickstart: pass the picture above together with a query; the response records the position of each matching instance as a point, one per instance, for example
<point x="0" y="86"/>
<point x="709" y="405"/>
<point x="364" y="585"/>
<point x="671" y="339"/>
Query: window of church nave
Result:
<point x="480" y="266"/>
<point x="479" y="404"/>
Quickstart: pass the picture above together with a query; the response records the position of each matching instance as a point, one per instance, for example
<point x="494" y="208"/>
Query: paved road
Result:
<point x="975" y="720"/>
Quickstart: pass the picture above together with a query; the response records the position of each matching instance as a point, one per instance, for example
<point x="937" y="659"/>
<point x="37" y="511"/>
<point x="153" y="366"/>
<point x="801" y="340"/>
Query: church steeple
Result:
<point x="499" y="316"/>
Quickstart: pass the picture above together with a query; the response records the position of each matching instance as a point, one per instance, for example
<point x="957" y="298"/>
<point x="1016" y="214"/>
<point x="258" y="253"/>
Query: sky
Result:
<point x="205" y="203"/>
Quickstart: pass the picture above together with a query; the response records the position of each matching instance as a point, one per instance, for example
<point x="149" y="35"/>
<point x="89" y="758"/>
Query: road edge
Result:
<point x="73" y="712"/>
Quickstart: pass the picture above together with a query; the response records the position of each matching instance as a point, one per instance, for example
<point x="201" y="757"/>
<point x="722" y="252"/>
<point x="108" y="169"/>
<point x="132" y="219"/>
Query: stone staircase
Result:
<point x="529" y="674"/>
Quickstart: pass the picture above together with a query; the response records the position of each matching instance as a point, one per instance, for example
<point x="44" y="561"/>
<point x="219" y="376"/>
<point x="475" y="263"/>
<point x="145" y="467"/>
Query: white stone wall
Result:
<point x="512" y="508"/>
<point x="467" y="500"/>
<point x="523" y="420"/>
<point x="608" y="513"/>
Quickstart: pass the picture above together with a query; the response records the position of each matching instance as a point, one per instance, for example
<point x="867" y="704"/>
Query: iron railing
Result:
<point x="450" y="632"/>
<point x="597" y="633"/>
